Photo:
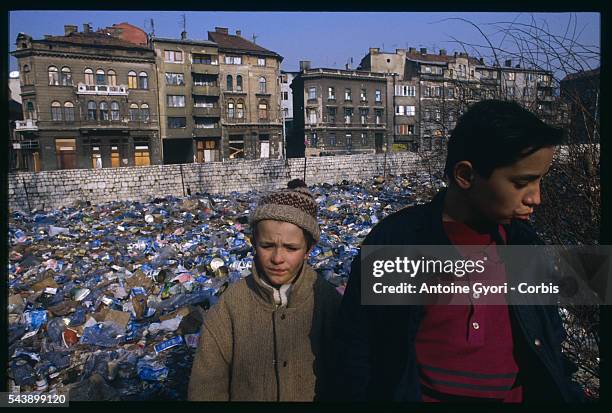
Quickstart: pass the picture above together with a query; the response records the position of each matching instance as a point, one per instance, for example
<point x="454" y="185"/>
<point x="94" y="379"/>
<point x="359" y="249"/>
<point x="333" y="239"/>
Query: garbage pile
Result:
<point x="106" y="301"/>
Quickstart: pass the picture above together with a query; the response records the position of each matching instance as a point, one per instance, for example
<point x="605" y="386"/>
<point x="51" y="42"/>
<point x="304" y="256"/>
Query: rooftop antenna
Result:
<point x="184" y="24"/>
<point x="151" y="27"/>
<point x="255" y="38"/>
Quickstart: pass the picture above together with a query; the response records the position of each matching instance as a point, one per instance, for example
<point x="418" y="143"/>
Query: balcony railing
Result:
<point x="104" y="90"/>
<point x="26" y="125"/>
<point x="206" y="111"/>
<point x="205" y="90"/>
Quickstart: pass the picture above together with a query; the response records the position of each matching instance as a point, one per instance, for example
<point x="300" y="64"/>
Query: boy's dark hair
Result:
<point x="495" y="133"/>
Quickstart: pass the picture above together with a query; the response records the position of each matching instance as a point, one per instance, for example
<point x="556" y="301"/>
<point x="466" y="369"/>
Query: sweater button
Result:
<point x="537" y="342"/>
<point x="476" y="326"/>
<point x="282" y="316"/>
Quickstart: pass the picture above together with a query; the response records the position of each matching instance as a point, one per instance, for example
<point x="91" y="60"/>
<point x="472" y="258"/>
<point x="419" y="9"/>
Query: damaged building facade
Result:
<point x="89" y="101"/>
<point x="338" y="112"/>
<point x="189" y="108"/>
<point x="429" y="91"/>
<point x="249" y="76"/>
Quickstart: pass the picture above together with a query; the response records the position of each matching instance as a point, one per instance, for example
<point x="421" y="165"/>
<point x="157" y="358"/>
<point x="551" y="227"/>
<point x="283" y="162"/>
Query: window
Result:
<point x="143" y="80"/>
<point x="141" y="155"/>
<point x="263" y="110"/>
<point x="285" y="95"/>
<point x="426" y="114"/>
<point x="240" y="109"/>
<point x="114" y="111"/>
<point x="111" y="78"/>
<point x="510" y="90"/>
<point x="262" y="85"/>
<point x="312" y="116"/>
<point x="332" y="140"/>
<point x="239" y="83"/>
<point x="404" y="129"/>
<point x="30" y="110"/>
<point x="96" y="157"/>
<point x="348" y="115"/>
<point x="65" y="150"/>
<point x="312" y="93"/>
<point x="91" y="110"/>
<point x="176" y="122"/>
<point x="331" y="93"/>
<point x="364" y="139"/>
<point x="314" y="140"/>
<point x="66" y="77"/>
<point x="53" y="76"/>
<point x="378" y="96"/>
<point x="286" y="112"/>
<point x="173" y="56"/>
<point x="438" y="114"/>
<point x="132" y="80"/>
<point x="104" y="111"/>
<point x="115" y="156"/>
<point x="261" y="61"/>
<point x="203" y="80"/>
<point x="379" y="116"/>
<point x="331" y="115"/>
<point x="527" y="92"/>
<point x="175" y="79"/>
<point x="145" y="114"/>
<point x="230" y="109"/>
<point x="233" y="60"/>
<point x="175" y="101"/>
<point x="89" y="77"/>
<point x="363" y="95"/>
<point x="134" y="112"/>
<point x="347" y="94"/>
<point x="427" y="91"/>
<point x="363" y="115"/>
<point x="69" y="112"/>
<point x="403" y="90"/>
<point x="349" y="140"/>
<point x="511" y="76"/>
<point x="402" y="110"/>
<point x="56" y="111"/>
<point x="100" y="77"/>
<point x="207" y="151"/>
<point x="229" y="83"/>
<point x="530" y="77"/>
<point x="26" y="74"/>
<point x="450" y="92"/>
<point x="204" y="59"/>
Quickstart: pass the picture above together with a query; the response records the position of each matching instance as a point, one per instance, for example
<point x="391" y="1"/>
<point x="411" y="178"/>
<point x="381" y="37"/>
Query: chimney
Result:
<point x="509" y="63"/>
<point x="423" y="50"/>
<point x="86" y="28"/>
<point x="411" y="50"/>
<point x="374" y="50"/>
<point x="455" y="54"/>
<point x="304" y="65"/>
<point x="518" y="66"/>
<point x="442" y="52"/>
<point x="238" y="32"/>
<point x="183" y="35"/>
<point x="481" y="60"/>
<point x="221" y="30"/>
<point x="69" y="29"/>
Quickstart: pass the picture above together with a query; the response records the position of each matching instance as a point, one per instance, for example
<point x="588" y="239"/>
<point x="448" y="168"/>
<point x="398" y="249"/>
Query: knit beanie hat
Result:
<point x="295" y="205"/>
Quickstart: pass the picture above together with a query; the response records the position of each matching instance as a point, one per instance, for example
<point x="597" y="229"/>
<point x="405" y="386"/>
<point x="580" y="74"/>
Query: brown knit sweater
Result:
<point x="252" y="350"/>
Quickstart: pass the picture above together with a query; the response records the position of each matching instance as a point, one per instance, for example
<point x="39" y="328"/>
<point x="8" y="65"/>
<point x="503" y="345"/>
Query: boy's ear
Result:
<point x="463" y="174"/>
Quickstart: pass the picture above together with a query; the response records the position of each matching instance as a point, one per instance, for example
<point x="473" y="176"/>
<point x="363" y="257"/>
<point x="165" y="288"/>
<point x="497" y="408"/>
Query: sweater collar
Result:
<point x="289" y="295"/>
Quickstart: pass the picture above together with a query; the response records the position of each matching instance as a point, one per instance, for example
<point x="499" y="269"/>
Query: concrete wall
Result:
<point x="53" y="189"/>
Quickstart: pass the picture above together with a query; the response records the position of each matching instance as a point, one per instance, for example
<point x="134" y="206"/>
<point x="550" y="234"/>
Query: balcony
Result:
<point x="102" y="90"/>
<point x="206" y="111"/>
<point x="207" y="132"/>
<point x="28" y="125"/>
<point x="27" y="144"/>
<point x="204" y="69"/>
<point x="206" y="90"/>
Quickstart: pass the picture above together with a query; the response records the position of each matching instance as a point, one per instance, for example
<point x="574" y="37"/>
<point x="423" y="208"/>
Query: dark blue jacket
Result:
<point x="376" y="345"/>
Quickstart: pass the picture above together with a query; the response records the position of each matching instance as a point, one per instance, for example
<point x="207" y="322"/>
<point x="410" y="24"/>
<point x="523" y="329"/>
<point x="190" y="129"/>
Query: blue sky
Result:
<point x="327" y="39"/>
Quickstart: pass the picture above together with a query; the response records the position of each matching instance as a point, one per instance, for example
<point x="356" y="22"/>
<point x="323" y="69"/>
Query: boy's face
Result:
<point x="511" y="191"/>
<point x="281" y="250"/>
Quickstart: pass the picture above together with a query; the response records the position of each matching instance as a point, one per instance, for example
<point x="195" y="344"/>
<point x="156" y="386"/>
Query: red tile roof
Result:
<point x="92" y="38"/>
<point x="239" y="44"/>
